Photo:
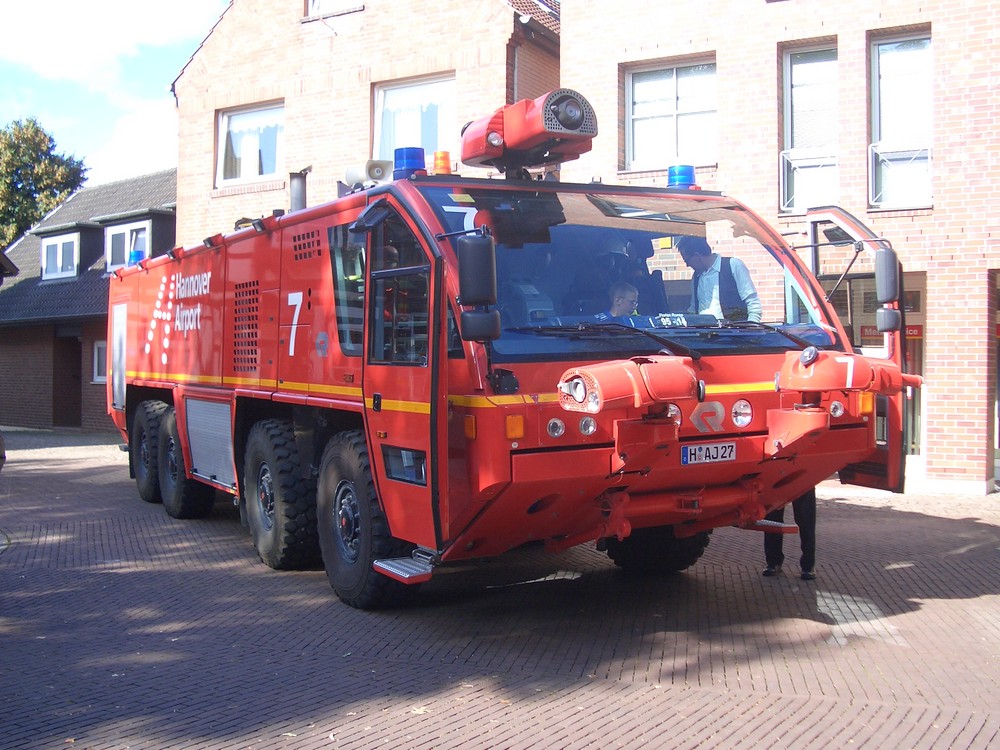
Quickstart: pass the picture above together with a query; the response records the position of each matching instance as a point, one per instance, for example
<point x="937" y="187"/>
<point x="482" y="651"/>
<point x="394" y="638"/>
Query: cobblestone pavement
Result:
<point x="122" y="628"/>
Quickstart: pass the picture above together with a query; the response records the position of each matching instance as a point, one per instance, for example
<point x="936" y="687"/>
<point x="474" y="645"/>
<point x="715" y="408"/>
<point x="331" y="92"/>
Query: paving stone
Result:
<point x="121" y="627"/>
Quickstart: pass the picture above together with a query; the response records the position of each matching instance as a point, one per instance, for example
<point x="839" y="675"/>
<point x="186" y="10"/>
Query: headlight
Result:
<point x="556" y="428"/>
<point x="674" y="412"/>
<point x="742" y="413"/>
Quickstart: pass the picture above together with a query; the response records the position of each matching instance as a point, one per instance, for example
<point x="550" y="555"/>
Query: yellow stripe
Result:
<point x="740" y="388"/>
<point x="252" y="382"/>
<point x="334" y="390"/>
<point x="411" y="407"/>
<point x="491" y="402"/>
<point x="174" y="377"/>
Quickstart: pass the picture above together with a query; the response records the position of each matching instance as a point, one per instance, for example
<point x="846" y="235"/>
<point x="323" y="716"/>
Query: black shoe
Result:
<point x="771" y="570"/>
<point x="808" y="575"/>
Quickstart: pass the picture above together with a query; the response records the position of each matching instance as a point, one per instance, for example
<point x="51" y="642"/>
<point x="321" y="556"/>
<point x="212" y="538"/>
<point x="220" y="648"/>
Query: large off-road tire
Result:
<point x="656" y="551"/>
<point x="143" y="445"/>
<point x="182" y="497"/>
<point x="353" y="532"/>
<point x="280" y="501"/>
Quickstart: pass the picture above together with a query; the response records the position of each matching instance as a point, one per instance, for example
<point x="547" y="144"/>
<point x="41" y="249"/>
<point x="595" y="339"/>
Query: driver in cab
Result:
<point x="624" y="299"/>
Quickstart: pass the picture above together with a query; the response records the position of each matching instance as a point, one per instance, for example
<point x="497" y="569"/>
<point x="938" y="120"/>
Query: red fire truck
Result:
<point x="426" y="369"/>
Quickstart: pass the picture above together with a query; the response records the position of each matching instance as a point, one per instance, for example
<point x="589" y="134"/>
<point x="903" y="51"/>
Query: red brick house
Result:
<point x="888" y="108"/>
<point x="278" y="87"/>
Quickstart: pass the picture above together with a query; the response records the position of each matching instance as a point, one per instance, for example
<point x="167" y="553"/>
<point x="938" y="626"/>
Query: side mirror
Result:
<point x="477" y="287"/>
<point x="886" y="275"/>
<point x="371" y="217"/>
<point x="480" y="325"/>
<point x="477" y="271"/>
<point x="887" y="319"/>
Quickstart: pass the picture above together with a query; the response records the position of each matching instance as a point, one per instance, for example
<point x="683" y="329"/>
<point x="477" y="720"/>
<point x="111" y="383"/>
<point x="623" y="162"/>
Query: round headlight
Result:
<point x="556" y="428"/>
<point x="588" y="426"/>
<point x="742" y="413"/>
<point x="494" y="139"/>
<point x="593" y="402"/>
<point x="836" y="409"/>
<point x="674" y="412"/>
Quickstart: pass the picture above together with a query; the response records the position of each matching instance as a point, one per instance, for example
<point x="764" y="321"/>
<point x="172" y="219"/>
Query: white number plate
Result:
<point x="708" y="453"/>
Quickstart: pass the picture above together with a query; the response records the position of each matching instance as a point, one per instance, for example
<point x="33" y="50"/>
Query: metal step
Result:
<point x="405" y="569"/>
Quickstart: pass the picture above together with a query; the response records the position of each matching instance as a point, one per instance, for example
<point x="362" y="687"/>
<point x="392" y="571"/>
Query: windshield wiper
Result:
<point x="754" y="324"/>
<point x="673" y="347"/>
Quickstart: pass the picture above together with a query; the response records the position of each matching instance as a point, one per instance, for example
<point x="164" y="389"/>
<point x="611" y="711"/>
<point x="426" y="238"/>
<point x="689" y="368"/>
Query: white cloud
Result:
<point x="142" y="141"/>
<point x="122" y="131"/>
<point x="88" y="41"/>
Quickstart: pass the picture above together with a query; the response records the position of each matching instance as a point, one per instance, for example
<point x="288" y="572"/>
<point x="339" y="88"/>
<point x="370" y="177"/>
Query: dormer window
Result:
<point x="60" y="256"/>
<point x="126" y="243"/>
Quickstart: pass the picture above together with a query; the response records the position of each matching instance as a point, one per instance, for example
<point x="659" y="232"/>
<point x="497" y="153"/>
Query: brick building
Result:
<point x="887" y="108"/>
<point x="278" y="87"/>
<point x="883" y="107"/>
<point x="53" y="313"/>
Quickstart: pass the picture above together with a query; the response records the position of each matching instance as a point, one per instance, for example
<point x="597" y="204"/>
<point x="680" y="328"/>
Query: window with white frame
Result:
<point x="100" y="374"/>
<point x="899" y="164"/>
<point x="126" y="243"/>
<point x="60" y="256"/>
<point x="250" y="144"/>
<point x="671" y="117"/>
<point x="416" y="113"/>
<point x="809" y="173"/>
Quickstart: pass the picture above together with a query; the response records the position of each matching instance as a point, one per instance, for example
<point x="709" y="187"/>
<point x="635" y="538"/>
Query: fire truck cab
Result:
<point x="430" y="368"/>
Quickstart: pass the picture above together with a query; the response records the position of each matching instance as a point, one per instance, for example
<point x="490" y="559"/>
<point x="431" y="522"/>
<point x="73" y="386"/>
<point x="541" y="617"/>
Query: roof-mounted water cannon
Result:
<point x="555" y="127"/>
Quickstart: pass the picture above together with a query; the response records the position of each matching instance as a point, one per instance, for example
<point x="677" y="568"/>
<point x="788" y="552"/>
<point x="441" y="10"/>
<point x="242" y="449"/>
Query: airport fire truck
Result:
<point x="426" y="370"/>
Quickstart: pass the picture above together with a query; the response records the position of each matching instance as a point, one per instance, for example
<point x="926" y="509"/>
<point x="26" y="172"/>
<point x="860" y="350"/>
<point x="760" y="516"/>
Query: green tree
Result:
<point x="34" y="179"/>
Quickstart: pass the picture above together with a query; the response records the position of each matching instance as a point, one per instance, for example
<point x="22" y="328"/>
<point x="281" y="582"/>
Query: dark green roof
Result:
<point x="27" y="299"/>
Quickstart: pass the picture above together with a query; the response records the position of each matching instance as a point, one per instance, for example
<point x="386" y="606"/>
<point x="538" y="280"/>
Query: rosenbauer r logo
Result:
<point x="169" y="317"/>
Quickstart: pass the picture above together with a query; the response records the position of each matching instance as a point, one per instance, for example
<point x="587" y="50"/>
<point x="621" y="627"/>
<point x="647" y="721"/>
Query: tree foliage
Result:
<point x="34" y="179"/>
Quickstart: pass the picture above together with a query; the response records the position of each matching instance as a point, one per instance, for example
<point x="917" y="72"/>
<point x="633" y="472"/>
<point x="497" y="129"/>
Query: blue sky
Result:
<point x="96" y="75"/>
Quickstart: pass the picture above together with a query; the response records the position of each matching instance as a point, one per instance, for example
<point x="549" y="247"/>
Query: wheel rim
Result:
<point x="265" y="496"/>
<point x="144" y="454"/>
<point x="347" y="519"/>
<point x="171" y="456"/>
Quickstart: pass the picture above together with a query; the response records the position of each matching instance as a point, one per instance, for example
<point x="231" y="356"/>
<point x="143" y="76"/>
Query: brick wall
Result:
<point x="325" y="72"/>
<point x="26" y="372"/>
<point x="94" y="409"/>
<point x="955" y="244"/>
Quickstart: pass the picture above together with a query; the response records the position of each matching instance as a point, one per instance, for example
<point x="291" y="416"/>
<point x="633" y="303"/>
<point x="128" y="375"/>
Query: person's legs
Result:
<point x="804" y="510"/>
<point x="773" y="554"/>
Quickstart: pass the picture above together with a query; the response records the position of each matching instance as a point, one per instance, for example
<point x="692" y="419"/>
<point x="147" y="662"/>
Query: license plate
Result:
<point x="708" y="453"/>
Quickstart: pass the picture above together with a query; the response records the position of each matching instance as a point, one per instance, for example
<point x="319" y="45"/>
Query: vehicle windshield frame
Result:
<point x="548" y="234"/>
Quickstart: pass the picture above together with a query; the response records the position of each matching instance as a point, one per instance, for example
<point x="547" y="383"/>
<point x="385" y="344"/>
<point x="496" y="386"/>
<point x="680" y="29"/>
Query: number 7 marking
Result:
<point x="295" y="300"/>
<point x="849" y="361"/>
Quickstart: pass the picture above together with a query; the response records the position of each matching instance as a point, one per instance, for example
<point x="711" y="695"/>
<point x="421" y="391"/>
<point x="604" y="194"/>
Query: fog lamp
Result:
<point x="742" y="413"/>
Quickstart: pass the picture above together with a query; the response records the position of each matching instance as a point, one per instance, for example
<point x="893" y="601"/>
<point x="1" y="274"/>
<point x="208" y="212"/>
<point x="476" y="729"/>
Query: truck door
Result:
<point x="843" y="260"/>
<point x="401" y="377"/>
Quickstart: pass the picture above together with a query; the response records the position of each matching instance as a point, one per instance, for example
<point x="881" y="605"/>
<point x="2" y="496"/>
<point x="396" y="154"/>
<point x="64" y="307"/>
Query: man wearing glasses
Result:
<point x="720" y="286"/>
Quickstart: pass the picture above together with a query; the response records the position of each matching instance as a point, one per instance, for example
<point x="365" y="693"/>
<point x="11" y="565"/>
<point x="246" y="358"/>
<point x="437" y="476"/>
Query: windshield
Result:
<point x="604" y="274"/>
